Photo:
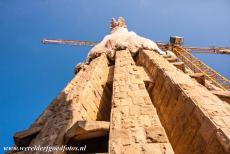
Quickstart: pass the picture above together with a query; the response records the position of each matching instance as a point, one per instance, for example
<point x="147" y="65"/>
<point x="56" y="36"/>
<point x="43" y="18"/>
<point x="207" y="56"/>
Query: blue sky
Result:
<point x="32" y="74"/>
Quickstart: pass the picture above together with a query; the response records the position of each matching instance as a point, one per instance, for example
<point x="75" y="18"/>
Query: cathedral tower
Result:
<point x="130" y="96"/>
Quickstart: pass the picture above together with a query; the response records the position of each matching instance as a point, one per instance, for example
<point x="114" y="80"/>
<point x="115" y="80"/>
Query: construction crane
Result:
<point x="181" y="51"/>
<point x="211" y="50"/>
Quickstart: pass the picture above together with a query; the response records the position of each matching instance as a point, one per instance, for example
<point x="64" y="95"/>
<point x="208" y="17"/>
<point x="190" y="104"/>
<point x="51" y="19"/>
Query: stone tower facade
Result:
<point x="129" y="96"/>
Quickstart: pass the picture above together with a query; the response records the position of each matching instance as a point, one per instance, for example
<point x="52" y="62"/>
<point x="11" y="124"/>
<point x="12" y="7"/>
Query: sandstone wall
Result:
<point x="195" y="120"/>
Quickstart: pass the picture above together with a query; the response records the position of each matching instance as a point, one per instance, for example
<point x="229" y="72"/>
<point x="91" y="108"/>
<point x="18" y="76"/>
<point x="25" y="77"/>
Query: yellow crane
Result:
<point x="181" y="51"/>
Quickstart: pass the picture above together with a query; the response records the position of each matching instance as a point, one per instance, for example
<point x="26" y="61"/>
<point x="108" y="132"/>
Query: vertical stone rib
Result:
<point x="195" y="120"/>
<point x="81" y="100"/>
<point x="135" y="126"/>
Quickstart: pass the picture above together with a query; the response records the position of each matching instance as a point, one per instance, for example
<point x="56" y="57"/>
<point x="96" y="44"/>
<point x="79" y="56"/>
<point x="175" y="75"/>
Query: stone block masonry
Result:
<point x="83" y="99"/>
<point x="134" y="125"/>
<point x="195" y="120"/>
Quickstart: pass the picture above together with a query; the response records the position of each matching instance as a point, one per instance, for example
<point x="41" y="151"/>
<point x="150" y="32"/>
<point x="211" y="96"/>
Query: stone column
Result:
<point x="195" y="120"/>
<point x="80" y="100"/>
<point x="134" y="125"/>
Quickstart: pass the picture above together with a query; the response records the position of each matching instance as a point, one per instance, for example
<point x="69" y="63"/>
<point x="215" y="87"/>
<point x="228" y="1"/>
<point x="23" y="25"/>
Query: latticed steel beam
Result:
<point x="198" y="66"/>
<point x="207" y="50"/>
<point x="69" y="42"/>
<point x="214" y="50"/>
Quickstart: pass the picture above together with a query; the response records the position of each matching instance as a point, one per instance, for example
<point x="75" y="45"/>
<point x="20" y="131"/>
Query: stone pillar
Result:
<point x="195" y="120"/>
<point x="82" y="99"/>
<point x="134" y="125"/>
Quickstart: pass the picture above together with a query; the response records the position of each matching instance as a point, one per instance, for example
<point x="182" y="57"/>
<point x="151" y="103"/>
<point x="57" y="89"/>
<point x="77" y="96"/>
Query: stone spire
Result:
<point x="141" y="102"/>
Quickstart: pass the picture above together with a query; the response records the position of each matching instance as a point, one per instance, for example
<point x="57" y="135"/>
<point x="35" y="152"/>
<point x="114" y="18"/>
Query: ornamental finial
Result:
<point x="116" y="24"/>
